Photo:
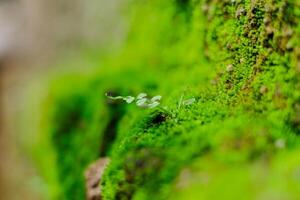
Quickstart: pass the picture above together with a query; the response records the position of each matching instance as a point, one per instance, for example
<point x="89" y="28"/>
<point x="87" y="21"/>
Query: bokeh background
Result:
<point x="40" y="39"/>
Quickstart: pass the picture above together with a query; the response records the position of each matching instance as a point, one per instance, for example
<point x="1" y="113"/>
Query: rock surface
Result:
<point x="93" y="176"/>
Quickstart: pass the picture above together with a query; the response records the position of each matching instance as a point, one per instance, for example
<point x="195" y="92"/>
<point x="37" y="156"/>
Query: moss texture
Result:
<point x="239" y="59"/>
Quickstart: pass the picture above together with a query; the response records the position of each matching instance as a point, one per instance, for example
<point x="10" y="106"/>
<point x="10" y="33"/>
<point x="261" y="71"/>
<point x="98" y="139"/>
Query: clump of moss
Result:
<point x="252" y="64"/>
<point x="239" y="59"/>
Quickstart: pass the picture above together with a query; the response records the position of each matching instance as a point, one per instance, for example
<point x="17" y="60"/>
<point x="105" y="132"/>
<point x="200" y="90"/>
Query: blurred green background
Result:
<point x="41" y="40"/>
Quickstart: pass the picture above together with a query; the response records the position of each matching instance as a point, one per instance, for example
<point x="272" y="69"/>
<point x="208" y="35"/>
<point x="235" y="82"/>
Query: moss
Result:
<point x="70" y="130"/>
<point x="239" y="59"/>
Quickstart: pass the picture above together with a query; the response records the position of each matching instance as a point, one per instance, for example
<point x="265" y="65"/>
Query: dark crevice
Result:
<point x="116" y="111"/>
<point x="183" y="3"/>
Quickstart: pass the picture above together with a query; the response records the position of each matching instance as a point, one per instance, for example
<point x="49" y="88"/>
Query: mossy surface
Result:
<point x="239" y="59"/>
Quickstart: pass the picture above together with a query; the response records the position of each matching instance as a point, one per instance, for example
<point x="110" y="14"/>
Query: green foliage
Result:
<point x="240" y="63"/>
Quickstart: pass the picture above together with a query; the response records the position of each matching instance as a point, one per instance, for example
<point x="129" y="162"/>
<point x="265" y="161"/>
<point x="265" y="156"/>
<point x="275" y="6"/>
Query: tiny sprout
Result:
<point x="141" y="100"/>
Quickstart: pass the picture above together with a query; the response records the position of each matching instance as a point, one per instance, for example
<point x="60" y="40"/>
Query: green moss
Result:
<point x="74" y="124"/>
<point x="239" y="59"/>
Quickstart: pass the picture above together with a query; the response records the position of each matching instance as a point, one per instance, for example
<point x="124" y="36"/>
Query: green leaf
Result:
<point x="153" y="105"/>
<point x="129" y="99"/>
<point x="142" y="102"/>
<point x="141" y="96"/>
<point x="156" y="98"/>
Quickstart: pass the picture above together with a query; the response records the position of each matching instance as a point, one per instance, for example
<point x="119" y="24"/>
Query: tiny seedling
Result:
<point x="141" y="100"/>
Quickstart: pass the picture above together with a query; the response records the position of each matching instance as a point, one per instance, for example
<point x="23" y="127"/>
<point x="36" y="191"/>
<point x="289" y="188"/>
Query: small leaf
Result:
<point x="156" y="98"/>
<point x="129" y="99"/>
<point x="188" y="101"/>
<point x="141" y="96"/>
<point x="153" y="105"/>
<point x="142" y="102"/>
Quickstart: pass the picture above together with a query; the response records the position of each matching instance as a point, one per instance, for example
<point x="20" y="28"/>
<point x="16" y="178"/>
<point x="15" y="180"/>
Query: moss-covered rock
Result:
<point x="239" y="59"/>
